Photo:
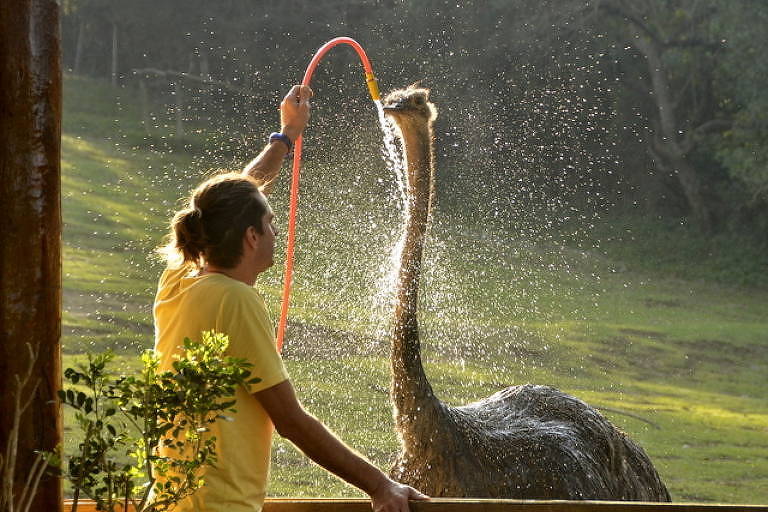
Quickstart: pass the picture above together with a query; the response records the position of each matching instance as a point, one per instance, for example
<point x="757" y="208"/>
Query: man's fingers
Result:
<point x="293" y="94"/>
<point x="413" y="494"/>
<point x="298" y="94"/>
<point x="305" y="93"/>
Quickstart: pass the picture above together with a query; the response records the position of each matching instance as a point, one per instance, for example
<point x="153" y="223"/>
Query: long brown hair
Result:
<point x="211" y="227"/>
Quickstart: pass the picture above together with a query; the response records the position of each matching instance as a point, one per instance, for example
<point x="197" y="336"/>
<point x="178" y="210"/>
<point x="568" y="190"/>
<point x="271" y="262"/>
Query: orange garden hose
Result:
<point x="373" y="89"/>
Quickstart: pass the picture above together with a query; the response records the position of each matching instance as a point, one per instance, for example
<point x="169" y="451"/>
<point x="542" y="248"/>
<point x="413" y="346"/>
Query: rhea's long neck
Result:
<point x="411" y="391"/>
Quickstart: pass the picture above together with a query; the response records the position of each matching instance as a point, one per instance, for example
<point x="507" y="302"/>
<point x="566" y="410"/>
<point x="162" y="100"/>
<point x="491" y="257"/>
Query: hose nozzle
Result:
<point x="373" y="86"/>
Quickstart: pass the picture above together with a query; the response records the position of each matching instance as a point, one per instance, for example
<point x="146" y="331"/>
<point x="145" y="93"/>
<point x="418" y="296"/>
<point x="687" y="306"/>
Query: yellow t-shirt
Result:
<point x="187" y="305"/>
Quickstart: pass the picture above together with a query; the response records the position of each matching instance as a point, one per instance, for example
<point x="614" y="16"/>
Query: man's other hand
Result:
<point x="294" y="111"/>
<point x="391" y="496"/>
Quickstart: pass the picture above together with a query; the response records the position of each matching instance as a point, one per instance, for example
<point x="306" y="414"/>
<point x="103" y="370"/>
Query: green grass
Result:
<point x="647" y="324"/>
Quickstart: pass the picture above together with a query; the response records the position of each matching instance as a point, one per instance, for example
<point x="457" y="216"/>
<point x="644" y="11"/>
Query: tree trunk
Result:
<point x="675" y="162"/>
<point x="668" y="147"/>
<point x="113" y="66"/>
<point x="30" y="237"/>
<point x="205" y="73"/>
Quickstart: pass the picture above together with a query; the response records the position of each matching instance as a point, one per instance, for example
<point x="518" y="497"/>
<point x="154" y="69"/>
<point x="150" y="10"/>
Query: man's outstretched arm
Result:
<point x="323" y="447"/>
<point x="294" y="116"/>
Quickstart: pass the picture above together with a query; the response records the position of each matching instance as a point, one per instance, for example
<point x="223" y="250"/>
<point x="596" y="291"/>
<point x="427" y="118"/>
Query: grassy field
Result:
<point x="674" y="349"/>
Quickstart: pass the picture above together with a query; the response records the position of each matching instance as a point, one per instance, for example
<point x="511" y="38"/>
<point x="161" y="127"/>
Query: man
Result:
<point x="219" y="244"/>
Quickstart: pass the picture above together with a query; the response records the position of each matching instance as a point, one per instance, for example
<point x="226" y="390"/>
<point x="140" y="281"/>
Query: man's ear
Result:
<point x="251" y="236"/>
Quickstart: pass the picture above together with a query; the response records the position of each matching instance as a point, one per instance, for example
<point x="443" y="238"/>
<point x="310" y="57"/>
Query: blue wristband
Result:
<point x="282" y="138"/>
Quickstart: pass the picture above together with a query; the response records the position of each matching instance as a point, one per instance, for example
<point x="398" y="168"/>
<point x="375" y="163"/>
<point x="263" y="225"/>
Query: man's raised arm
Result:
<point x="294" y="116"/>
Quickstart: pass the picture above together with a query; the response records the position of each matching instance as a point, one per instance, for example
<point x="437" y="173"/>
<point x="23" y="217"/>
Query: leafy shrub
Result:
<point x="125" y="420"/>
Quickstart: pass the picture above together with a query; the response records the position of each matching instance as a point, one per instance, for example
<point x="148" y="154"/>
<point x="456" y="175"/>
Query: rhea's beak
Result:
<point x="393" y="107"/>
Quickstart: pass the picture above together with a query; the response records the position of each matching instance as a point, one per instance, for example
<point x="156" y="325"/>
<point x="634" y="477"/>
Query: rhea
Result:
<point x="525" y="441"/>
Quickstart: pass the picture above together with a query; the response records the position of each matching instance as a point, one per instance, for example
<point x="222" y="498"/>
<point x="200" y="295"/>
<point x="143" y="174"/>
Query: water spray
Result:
<point x="373" y="89"/>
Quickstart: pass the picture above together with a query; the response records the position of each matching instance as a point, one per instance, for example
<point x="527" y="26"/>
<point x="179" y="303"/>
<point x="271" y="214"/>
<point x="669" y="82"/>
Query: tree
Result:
<point x="30" y="253"/>
<point x="678" y="45"/>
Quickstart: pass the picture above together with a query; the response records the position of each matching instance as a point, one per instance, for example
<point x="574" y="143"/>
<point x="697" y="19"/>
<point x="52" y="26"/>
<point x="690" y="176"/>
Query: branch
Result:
<point x="711" y="126"/>
<point x="32" y="361"/>
<point x="700" y="15"/>
<point x="30" y="397"/>
<point x="688" y="142"/>
<point x="612" y="9"/>
<point x="8" y="462"/>
<point x="33" y="481"/>
<point x="697" y="15"/>
<point x="623" y="71"/>
<point x="682" y="90"/>
<point x="692" y="43"/>
<point x="658" y="150"/>
<point x="666" y="149"/>
<point x="714" y="126"/>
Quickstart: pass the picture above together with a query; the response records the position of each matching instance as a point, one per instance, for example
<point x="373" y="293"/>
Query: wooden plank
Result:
<point x="486" y="505"/>
<point x="483" y="505"/>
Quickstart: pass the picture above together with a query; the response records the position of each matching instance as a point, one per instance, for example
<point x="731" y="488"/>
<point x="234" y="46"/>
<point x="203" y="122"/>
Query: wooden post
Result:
<point x="178" y="91"/>
<point x="30" y="234"/>
<point x="79" y="47"/>
<point x="146" y="120"/>
<point x="113" y="63"/>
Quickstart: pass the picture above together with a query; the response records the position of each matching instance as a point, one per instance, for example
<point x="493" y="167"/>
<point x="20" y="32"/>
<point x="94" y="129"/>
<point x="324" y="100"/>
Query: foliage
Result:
<point x="154" y="427"/>
<point x="743" y="150"/>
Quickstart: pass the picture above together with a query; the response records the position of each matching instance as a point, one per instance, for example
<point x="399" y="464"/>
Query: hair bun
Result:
<point x="193" y="218"/>
<point x="190" y="235"/>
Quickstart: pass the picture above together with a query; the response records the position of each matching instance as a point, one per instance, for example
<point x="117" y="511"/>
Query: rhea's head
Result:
<point x="411" y="102"/>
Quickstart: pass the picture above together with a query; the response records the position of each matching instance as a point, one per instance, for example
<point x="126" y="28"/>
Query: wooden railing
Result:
<point x="482" y="505"/>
